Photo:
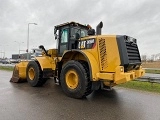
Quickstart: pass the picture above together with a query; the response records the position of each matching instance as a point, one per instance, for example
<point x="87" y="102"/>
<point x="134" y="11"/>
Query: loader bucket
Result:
<point x="19" y="72"/>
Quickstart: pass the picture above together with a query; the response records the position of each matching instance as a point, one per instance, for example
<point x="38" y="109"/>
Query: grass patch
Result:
<point x="152" y="71"/>
<point x="145" y="86"/>
<point x="8" y="68"/>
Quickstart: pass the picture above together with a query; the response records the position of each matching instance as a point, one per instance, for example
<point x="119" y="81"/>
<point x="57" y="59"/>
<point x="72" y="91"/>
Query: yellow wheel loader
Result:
<point x="83" y="61"/>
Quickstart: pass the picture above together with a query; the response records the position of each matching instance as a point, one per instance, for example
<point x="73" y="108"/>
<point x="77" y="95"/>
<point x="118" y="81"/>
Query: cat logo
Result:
<point x="82" y="45"/>
<point x="86" y="44"/>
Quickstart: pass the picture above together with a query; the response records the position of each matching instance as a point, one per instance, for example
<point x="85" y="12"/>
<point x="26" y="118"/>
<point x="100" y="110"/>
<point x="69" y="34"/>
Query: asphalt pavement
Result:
<point x="23" y="102"/>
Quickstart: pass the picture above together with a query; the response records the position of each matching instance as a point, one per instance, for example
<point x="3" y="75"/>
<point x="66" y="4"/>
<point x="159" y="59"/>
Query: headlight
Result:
<point x="121" y="69"/>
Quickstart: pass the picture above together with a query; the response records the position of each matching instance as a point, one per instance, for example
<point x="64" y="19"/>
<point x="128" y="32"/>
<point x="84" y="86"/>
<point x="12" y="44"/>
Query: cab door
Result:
<point x="63" y="41"/>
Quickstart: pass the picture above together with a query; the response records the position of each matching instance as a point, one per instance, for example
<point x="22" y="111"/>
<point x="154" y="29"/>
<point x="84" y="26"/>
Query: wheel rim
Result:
<point x="31" y="73"/>
<point x="71" y="79"/>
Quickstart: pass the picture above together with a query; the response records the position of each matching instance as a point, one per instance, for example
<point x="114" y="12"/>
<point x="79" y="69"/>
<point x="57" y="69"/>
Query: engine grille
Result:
<point x="103" y="53"/>
<point x="129" y="52"/>
<point x="133" y="52"/>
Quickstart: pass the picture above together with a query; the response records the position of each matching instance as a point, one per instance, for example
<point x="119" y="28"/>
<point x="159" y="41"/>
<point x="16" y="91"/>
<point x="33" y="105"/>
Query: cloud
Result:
<point x="139" y="19"/>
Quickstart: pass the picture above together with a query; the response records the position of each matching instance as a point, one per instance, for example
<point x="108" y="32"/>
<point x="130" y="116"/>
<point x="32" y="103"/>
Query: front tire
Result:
<point x="75" y="79"/>
<point x="34" y="74"/>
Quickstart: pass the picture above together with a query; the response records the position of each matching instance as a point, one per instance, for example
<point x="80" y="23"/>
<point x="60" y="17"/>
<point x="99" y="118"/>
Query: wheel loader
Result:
<point x="83" y="61"/>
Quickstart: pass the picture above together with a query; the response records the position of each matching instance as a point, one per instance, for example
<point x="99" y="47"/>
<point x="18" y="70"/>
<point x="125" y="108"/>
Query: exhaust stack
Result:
<point x="99" y="28"/>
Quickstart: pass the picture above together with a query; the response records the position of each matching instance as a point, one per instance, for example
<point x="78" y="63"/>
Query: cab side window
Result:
<point x="63" y="40"/>
<point x="64" y="36"/>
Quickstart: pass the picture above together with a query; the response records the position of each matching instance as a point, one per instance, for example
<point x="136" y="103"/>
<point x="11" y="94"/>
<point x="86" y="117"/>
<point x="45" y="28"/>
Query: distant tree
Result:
<point x="157" y="57"/>
<point x="144" y="58"/>
<point x="153" y="56"/>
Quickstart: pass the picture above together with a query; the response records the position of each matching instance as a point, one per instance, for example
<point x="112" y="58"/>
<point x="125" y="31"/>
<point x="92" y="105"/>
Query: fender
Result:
<point x="92" y="62"/>
<point x="46" y="62"/>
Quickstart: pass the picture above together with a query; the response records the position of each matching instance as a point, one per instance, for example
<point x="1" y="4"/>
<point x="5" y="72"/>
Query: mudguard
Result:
<point x="93" y="64"/>
<point x="46" y="62"/>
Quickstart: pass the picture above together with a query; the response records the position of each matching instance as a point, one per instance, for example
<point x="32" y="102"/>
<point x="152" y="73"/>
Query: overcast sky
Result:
<point x="137" y="18"/>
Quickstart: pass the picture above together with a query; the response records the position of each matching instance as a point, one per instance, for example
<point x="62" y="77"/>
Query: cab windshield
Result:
<point x="78" y="31"/>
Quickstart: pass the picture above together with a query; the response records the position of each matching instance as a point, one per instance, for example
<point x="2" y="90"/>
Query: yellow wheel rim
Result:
<point x="31" y="73"/>
<point x="71" y="79"/>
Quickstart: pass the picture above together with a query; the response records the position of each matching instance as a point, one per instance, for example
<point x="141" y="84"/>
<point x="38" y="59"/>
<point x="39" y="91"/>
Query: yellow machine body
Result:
<point x="105" y="66"/>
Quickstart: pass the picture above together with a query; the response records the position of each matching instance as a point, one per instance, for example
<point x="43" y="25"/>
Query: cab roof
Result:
<point x="70" y="23"/>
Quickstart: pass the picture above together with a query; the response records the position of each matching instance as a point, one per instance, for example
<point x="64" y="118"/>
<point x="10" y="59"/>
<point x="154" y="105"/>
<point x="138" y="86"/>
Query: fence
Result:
<point x="149" y="79"/>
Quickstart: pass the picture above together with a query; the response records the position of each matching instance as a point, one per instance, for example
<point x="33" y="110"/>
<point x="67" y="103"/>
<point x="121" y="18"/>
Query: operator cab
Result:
<point x="68" y="35"/>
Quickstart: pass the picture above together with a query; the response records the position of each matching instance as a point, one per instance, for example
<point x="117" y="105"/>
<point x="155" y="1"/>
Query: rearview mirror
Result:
<point x="55" y="30"/>
<point x="56" y="36"/>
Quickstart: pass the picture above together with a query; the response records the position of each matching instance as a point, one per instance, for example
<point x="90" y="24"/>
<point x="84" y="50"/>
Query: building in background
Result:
<point x="34" y="53"/>
<point x="21" y="56"/>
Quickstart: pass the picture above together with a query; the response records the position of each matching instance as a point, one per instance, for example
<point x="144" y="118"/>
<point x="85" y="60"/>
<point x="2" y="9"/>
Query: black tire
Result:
<point x="83" y="86"/>
<point x="34" y="74"/>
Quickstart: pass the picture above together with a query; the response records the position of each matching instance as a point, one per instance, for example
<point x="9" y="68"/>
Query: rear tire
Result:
<point x="75" y="80"/>
<point x="34" y="74"/>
